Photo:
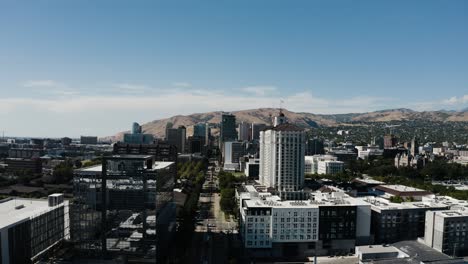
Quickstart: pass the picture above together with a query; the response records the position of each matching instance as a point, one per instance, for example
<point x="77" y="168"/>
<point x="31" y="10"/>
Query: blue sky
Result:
<point x="69" y="68"/>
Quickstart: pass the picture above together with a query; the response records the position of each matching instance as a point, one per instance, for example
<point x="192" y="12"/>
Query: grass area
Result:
<point x="238" y="174"/>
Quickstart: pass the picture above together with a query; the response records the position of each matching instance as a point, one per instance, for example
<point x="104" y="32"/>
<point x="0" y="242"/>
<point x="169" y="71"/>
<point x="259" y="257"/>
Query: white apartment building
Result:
<point x="273" y="226"/>
<point x="282" y="151"/>
<point x="271" y="220"/>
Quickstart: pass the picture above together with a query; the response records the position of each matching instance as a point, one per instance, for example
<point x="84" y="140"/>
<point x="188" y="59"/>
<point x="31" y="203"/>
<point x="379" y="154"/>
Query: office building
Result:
<point x="195" y="144"/>
<point x="160" y="150"/>
<point x="199" y="130"/>
<point x="227" y="129"/>
<point x="312" y="163"/>
<point x="88" y="140"/>
<point x="314" y="146"/>
<point x="137" y="136"/>
<point x="30" y="228"/>
<point x="330" y="167"/>
<point x="447" y="231"/>
<point x="177" y="137"/>
<point x="245" y="131"/>
<point x="66" y="141"/>
<point x="252" y="168"/>
<point x="369" y="152"/>
<point x="343" y="153"/>
<point x="208" y="135"/>
<point x="232" y="152"/>
<point x="282" y="151"/>
<point x="393" y="222"/>
<point x="124" y="207"/>
<point x="390" y="141"/>
<point x="26" y="153"/>
<point x="23" y="165"/>
<point x="256" y="128"/>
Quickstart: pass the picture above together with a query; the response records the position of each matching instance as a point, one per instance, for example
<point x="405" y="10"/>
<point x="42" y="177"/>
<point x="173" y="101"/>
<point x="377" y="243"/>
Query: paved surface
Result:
<point x="213" y="233"/>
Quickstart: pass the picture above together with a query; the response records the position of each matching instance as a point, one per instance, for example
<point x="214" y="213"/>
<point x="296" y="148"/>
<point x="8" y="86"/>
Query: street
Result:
<point x="214" y="234"/>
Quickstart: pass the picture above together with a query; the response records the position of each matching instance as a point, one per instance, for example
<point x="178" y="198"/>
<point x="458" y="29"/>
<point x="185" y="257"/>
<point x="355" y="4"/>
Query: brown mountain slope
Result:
<point x="263" y="115"/>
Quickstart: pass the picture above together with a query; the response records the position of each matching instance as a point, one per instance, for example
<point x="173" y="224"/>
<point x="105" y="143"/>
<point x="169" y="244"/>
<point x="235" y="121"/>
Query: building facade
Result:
<point x="326" y="223"/>
<point x="228" y="130"/>
<point x="88" y="140"/>
<point x="282" y="151"/>
<point x="30" y="228"/>
<point x="124" y="207"/>
<point x="137" y="136"/>
<point x="177" y="137"/>
<point x="447" y="231"/>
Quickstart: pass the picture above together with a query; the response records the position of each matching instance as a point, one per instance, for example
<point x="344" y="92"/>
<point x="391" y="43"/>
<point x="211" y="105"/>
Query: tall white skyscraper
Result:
<point x="282" y="150"/>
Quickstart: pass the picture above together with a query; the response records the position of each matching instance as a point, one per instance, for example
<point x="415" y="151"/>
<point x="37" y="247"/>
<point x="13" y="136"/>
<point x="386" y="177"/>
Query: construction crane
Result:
<point x="390" y="128"/>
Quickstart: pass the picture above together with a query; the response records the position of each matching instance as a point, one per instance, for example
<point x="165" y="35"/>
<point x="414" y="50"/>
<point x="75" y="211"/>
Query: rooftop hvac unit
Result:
<point x="55" y="199"/>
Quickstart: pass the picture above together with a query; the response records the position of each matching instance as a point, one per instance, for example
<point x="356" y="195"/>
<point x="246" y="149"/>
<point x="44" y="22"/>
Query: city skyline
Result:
<point x="77" y="68"/>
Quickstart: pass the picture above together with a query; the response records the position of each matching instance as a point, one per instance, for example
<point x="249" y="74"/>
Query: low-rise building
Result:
<point x="25" y="165"/>
<point x="88" y="140"/>
<point x="390" y="190"/>
<point x="29" y="228"/>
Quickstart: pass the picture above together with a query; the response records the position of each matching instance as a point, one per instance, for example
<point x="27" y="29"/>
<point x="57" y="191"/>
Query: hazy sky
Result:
<point x="70" y="68"/>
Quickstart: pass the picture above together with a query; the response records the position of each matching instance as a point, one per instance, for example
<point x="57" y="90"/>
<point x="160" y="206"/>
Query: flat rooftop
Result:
<point x="377" y="249"/>
<point x="423" y="253"/>
<point x="401" y="188"/>
<point x="379" y="204"/>
<point x="369" y="181"/>
<point x="130" y="156"/>
<point x="267" y="200"/>
<point x="14" y="210"/>
<point x="452" y="213"/>
<point x="156" y="166"/>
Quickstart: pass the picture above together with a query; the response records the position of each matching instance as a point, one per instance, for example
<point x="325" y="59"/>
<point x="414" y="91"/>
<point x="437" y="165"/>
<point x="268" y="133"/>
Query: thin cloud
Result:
<point x="456" y="100"/>
<point x="182" y="84"/>
<point x="260" y="90"/>
<point x="132" y="88"/>
<point x="49" y="87"/>
<point x="40" y="84"/>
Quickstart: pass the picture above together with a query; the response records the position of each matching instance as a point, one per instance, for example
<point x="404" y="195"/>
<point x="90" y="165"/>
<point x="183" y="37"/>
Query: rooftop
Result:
<point x="379" y="204"/>
<point x="452" y="213"/>
<point x="158" y="165"/>
<point x="376" y="249"/>
<point x="423" y="253"/>
<point x="130" y="156"/>
<point x="287" y="127"/>
<point x="368" y="181"/>
<point x="402" y="188"/>
<point x="15" y="210"/>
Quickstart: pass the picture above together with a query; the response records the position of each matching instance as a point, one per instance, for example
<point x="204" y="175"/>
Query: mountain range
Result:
<point x="306" y="120"/>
